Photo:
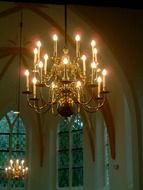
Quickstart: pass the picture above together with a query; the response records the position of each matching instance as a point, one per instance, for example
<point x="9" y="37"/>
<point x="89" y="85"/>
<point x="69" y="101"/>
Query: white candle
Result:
<point x="41" y="70"/>
<point x="39" y="46"/>
<point x="95" y="54"/>
<point x="77" y="38"/>
<point x="84" y="65"/>
<point x="55" y="38"/>
<point x="99" y="80"/>
<point x="45" y="63"/>
<point x="35" y="55"/>
<point x="93" y="67"/>
<point x="27" y="79"/>
<point x="34" y="87"/>
<point x="93" y="43"/>
<point x="104" y="73"/>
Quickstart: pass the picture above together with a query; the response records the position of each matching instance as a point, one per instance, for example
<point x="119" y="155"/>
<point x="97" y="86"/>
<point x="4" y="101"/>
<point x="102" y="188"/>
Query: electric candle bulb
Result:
<point x="93" y="43"/>
<point x="39" y="46"/>
<point x="65" y="60"/>
<point x="77" y="38"/>
<point x="55" y="38"/>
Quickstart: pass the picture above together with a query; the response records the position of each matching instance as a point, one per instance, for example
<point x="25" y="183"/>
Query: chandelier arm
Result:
<point x="35" y="107"/>
<point x="90" y="108"/>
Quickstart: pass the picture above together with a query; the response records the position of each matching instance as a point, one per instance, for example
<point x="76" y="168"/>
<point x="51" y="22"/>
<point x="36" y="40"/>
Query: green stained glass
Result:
<point x="77" y="141"/>
<point x="11" y="116"/>
<point x="70" y="143"/>
<point x="63" y="125"/>
<point x="4" y="157"/>
<point x="14" y="148"/>
<point x="63" y="140"/>
<point x="77" y="123"/>
<point x="4" y="127"/>
<point x="18" y="155"/>
<point x="77" y="177"/>
<point x="18" y="142"/>
<point x="77" y="159"/>
<point x="63" y="176"/>
<point x="19" y="126"/>
<point x="63" y="159"/>
<point x="16" y="183"/>
<point x="4" y="141"/>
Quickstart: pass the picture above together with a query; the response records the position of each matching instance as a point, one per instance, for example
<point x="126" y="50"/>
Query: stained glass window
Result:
<point x="12" y="145"/>
<point x="70" y="152"/>
<point x="107" y="156"/>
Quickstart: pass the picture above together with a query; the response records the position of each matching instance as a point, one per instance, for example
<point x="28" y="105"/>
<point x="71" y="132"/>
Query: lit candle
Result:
<point x="34" y="81"/>
<point x="41" y="70"/>
<point x="45" y="63"/>
<point x="55" y="38"/>
<point x="84" y="65"/>
<point x="22" y="162"/>
<point x="95" y="54"/>
<point x="39" y="46"/>
<point x="93" y="67"/>
<point x="93" y="43"/>
<point x="35" y="55"/>
<point x="99" y="80"/>
<point x="27" y="79"/>
<point x="65" y="62"/>
<point x="104" y="73"/>
<point x="77" y="38"/>
<point x="11" y="162"/>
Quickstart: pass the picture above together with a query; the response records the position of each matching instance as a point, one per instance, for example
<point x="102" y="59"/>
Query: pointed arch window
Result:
<point x="70" y="153"/>
<point x="12" y="145"/>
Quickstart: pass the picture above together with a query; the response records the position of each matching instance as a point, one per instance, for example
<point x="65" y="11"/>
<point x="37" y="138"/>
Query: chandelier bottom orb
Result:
<point x="66" y="107"/>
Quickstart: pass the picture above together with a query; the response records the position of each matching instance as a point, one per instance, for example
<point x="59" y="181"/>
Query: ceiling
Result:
<point x="136" y="4"/>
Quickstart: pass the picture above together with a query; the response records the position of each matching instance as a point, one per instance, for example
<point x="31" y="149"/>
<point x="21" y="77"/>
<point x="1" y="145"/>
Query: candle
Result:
<point x="41" y="70"/>
<point x="77" y="38"/>
<point x="27" y="79"/>
<point x="104" y="73"/>
<point x="65" y="62"/>
<point x="84" y="65"/>
<point x="34" y="81"/>
<point x="39" y="46"/>
<point x="35" y="55"/>
<point x="45" y="63"/>
<point x="95" y="54"/>
<point x="93" y="43"/>
<point x="99" y="80"/>
<point x="93" y="67"/>
<point x="55" y="38"/>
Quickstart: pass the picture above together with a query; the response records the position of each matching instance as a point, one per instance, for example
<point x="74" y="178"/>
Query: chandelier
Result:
<point x="64" y="83"/>
<point x="16" y="169"/>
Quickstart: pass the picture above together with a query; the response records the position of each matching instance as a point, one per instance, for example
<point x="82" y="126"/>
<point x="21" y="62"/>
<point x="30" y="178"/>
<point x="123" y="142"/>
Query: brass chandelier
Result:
<point x="16" y="169"/>
<point x="63" y="83"/>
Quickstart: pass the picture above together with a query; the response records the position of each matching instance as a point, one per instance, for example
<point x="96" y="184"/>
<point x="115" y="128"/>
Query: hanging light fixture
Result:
<point x="66" y="86"/>
<point x="16" y="168"/>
